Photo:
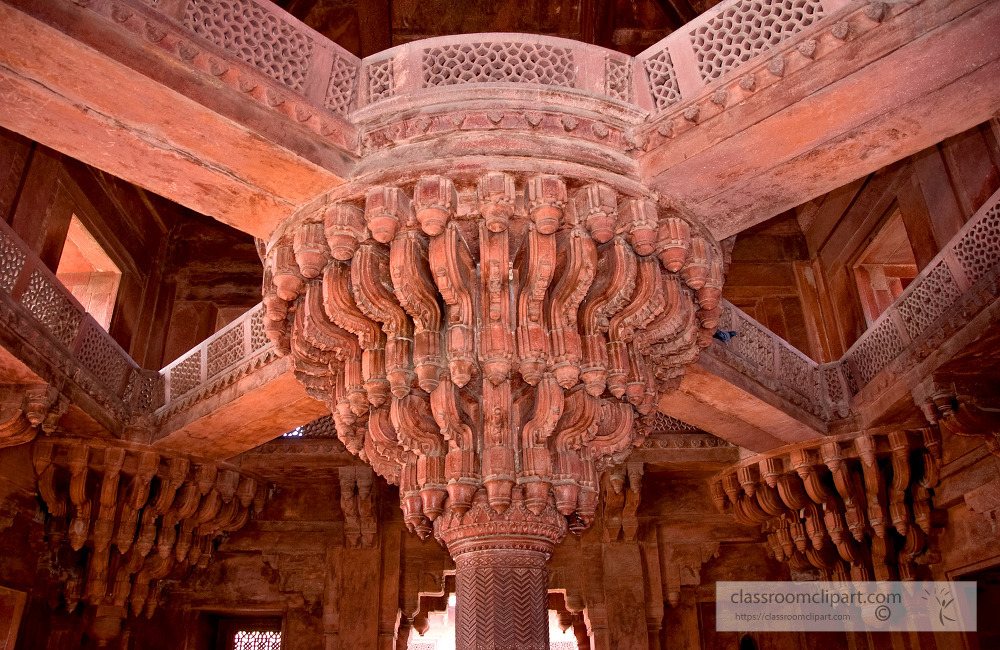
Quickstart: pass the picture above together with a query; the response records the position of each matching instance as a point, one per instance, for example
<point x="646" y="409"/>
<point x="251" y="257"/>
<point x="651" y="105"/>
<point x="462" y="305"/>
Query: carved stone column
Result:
<point x="501" y="581"/>
<point x="485" y="332"/>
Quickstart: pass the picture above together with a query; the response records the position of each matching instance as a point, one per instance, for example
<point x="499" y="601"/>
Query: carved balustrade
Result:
<point x="51" y="332"/>
<point x="239" y="348"/>
<point x="255" y="47"/>
<point x="758" y="353"/>
<point x="959" y="284"/>
<point x="124" y="520"/>
<point x="485" y="342"/>
<point x="853" y="507"/>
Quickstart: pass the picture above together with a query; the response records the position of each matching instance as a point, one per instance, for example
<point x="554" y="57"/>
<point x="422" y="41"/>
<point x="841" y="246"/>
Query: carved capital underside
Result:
<point x="852" y="508"/>
<point x="491" y="332"/>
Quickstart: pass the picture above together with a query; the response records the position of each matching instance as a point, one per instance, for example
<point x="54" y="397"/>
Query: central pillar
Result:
<point x="501" y="580"/>
<point x="502" y="599"/>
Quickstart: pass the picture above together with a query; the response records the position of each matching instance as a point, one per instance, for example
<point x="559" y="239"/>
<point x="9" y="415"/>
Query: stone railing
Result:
<point x="759" y="353"/>
<point x="277" y="61"/>
<point x="269" y="39"/>
<point x="51" y="332"/>
<point x="216" y="362"/>
<point x="718" y="42"/>
<point x="951" y="290"/>
<point x="462" y="60"/>
<point x="948" y="293"/>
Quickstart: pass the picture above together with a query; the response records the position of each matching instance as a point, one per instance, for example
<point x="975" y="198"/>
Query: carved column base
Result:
<point x="501" y="582"/>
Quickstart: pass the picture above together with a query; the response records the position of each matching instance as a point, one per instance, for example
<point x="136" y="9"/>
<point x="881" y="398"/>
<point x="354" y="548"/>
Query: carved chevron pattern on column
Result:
<point x="502" y="600"/>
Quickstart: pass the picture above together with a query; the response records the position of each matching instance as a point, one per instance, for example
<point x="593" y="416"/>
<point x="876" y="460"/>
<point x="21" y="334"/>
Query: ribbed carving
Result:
<point x="502" y="600"/>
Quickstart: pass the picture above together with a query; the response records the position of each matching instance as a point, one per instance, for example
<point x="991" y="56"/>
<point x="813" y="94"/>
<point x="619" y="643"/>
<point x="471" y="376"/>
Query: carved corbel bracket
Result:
<point x="951" y="408"/>
<point x="621" y="492"/>
<point x="855" y="507"/>
<point x="357" y="501"/>
<point x="681" y="566"/>
<point x="24" y="409"/>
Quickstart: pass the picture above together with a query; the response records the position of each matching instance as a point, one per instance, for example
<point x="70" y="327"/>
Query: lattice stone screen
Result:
<point x="255" y="35"/>
<point x="748" y="28"/>
<point x="662" y="80"/>
<point x="257" y="640"/>
<point x="237" y="343"/>
<point x="498" y="62"/>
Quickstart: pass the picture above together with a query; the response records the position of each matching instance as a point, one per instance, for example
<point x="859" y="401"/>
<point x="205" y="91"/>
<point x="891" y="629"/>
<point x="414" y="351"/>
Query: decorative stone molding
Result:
<point x="854" y="507"/>
<point x="110" y="504"/>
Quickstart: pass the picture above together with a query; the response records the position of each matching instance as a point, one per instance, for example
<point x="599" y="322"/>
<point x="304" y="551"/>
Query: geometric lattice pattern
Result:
<point x="979" y="249"/>
<point x="498" y="62"/>
<point x="323" y="427"/>
<point x="11" y="263"/>
<point x="755" y="344"/>
<point x="746" y="29"/>
<point x="186" y="375"/>
<point x="662" y="80"/>
<point x="380" y="81"/>
<point x="258" y="37"/>
<point x="618" y="79"/>
<point x="52" y="309"/>
<point x="102" y="357"/>
<point x="834" y="390"/>
<point x="258" y="338"/>
<point x="928" y="300"/>
<point x="342" y="88"/>
<point x="257" y="640"/>
<point x="225" y="350"/>
<point x="797" y="373"/>
<point x="876" y="350"/>
<point x="658" y="422"/>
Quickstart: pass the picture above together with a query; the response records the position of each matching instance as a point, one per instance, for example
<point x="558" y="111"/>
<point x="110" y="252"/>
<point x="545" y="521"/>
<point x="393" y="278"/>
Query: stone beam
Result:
<point x="723" y="403"/>
<point x="832" y="104"/>
<point x="129" y="91"/>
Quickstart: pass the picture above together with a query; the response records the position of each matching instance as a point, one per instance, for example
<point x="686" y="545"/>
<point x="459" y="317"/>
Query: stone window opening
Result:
<point x="87" y="271"/>
<point x="249" y="634"/>
<point x="885" y="267"/>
